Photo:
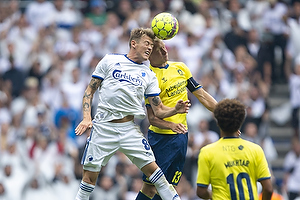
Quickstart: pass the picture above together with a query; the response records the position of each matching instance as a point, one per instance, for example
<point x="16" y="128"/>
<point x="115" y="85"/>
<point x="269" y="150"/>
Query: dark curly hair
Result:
<point x="137" y="33"/>
<point x="230" y="115"/>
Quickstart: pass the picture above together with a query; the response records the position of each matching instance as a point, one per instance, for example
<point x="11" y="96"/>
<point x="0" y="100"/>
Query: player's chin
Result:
<point x="146" y="56"/>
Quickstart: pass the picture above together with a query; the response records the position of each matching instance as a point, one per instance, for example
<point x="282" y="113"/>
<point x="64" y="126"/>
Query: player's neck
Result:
<point x="235" y="134"/>
<point x="134" y="58"/>
<point x="159" y="65"/>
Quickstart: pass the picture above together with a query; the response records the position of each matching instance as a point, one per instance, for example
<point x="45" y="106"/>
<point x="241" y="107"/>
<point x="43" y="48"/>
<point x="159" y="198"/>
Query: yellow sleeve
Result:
<point x="147" y="101"/>
<point x="203" y="177"/>
<point x="263" y="170"/>
<point x="186" y="70"/>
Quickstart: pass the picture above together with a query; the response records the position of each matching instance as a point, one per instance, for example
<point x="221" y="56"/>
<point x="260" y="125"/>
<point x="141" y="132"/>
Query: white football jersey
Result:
<point x="124" y="86"/>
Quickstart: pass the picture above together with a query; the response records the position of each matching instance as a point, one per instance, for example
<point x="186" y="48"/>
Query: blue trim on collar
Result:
<point x="231" y="137"/>
<point x="165" y="67"/>
<point x="133" y="61"/>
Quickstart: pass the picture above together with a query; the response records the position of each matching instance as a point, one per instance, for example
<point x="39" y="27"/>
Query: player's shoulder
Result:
<point x="114" y="55"/>
<point x="177" y="63"/>
<point x="251" y="145"/>
<point x="113" y="58"/>
<point x="210" y="147"/>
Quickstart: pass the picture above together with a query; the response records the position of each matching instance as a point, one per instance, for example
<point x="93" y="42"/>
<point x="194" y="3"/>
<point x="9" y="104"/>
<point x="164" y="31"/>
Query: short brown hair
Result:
<point x="137" y="33"/>
<point x="230" y="115"/>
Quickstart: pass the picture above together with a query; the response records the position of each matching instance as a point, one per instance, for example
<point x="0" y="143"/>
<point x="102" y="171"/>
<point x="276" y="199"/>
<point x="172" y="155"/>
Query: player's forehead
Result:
<point x="146" y="38"/>
<point x="159" y="44"/>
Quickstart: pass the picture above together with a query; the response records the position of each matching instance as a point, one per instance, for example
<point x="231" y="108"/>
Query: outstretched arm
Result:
<point x="206" y="99"/>
<point x="160" y="123"/>
<point x="86" y="106"/>
<point x="162" y="111"/>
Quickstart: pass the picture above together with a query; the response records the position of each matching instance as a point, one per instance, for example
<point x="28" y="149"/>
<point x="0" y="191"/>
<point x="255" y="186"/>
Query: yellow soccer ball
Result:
<point x="165" y="26"/>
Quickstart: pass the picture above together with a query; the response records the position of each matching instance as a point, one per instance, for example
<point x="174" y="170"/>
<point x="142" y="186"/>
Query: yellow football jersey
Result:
<point x="172" y="80"/>
<point x="232" y="166"/>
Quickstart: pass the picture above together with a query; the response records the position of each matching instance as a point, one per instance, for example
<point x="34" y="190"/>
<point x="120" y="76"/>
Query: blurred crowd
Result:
<point x="48" y="50"/>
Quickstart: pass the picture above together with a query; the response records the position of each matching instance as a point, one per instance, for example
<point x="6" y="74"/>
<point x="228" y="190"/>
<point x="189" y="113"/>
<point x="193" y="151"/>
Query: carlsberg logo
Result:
<point x="117" y="74"/>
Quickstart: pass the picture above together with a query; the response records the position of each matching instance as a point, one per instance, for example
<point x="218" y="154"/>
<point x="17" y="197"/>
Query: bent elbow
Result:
<point x="151" y="119"/>
<point x="268" y="191"/>
<point x="203" y="193"/>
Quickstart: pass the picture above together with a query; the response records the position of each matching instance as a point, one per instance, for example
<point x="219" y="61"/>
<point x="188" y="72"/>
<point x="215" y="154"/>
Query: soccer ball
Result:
<point x="165" y="26"/>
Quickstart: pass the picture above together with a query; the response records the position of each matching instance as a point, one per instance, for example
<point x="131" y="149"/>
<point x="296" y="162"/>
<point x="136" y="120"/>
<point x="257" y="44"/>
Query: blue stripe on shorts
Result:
<point x="86" y="146"/>
<point x="170" y="152"/>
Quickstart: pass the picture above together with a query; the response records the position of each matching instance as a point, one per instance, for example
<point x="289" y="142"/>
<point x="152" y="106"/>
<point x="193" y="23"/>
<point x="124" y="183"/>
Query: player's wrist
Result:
<point x="87" y="119"/>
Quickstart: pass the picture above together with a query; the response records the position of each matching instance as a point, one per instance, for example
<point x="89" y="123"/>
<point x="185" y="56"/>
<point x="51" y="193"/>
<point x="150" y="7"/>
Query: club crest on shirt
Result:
<point x="180" y="72"/>
<point x="124" y="76"/>
<point x="143" y="73"/>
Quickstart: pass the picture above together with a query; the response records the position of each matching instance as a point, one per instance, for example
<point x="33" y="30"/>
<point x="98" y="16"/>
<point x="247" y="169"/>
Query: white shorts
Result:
<point x="106" y="138"/>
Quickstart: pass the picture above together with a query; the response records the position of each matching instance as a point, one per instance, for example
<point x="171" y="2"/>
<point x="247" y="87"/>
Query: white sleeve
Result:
<point x="101" y="68"/>
<point x="153" y="88"/>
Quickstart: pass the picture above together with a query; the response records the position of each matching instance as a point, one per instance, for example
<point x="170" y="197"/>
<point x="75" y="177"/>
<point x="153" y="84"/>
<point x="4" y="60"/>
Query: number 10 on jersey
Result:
<point x="239" y="183"/>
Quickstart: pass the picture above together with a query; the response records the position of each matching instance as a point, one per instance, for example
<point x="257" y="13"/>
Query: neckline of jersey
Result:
<point x="231" y="137"/>
<point x="164" y="67"/>
<point x="132" y="60"/>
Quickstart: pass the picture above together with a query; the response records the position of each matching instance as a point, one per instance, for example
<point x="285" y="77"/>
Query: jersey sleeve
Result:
<point x="187" y="72"/>
<point x="100" y="69"/>
<point x="263" y="171"/>
<point x="203" y="177"/>
<point x="153" y="87"/>
<point x="192" y="84"/>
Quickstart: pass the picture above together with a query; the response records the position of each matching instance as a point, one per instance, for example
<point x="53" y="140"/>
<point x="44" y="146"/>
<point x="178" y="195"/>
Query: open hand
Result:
<point x="179" y="128"/>
<point x="82" y="126"/>
<point x="183" y="106"/>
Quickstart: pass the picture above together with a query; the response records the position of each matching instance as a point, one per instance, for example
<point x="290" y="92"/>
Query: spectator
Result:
<point x="190" y="54"/>
<point x="256" y="10"/>
<point x="124" y="10"/>
<point x="292" y="21"/>
<point x="293" y="75"/>
<point x="36" y="71"/>
<point x="14" y="78"/>
<point x="5" y="114"/>
<point x="67" y="118"/>
<point x="3" y="193"/>
<point x="292" y="171"/>
<point x="134" y="188"/>
<point x="15" y="174"/>
<point x="73" y="89"/>
<point x="36" y="189"/>
<point x="39" y="13"/>
<point x="66" y="15"/>
<point x="235" y="35"/>
<point x="275" y="32"/>
<point x="22" y="36"/>
<point x="204" y="136"/>
<point x="97" y="12"/>
<point x="51" y="94"/>
<point x="256" y="105"/>
<point x="251" y="134"/>
<point x="107" y="188"/>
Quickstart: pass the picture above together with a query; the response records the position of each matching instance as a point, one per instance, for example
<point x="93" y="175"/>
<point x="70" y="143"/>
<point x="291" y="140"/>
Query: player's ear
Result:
<point x="133" y="44"/>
